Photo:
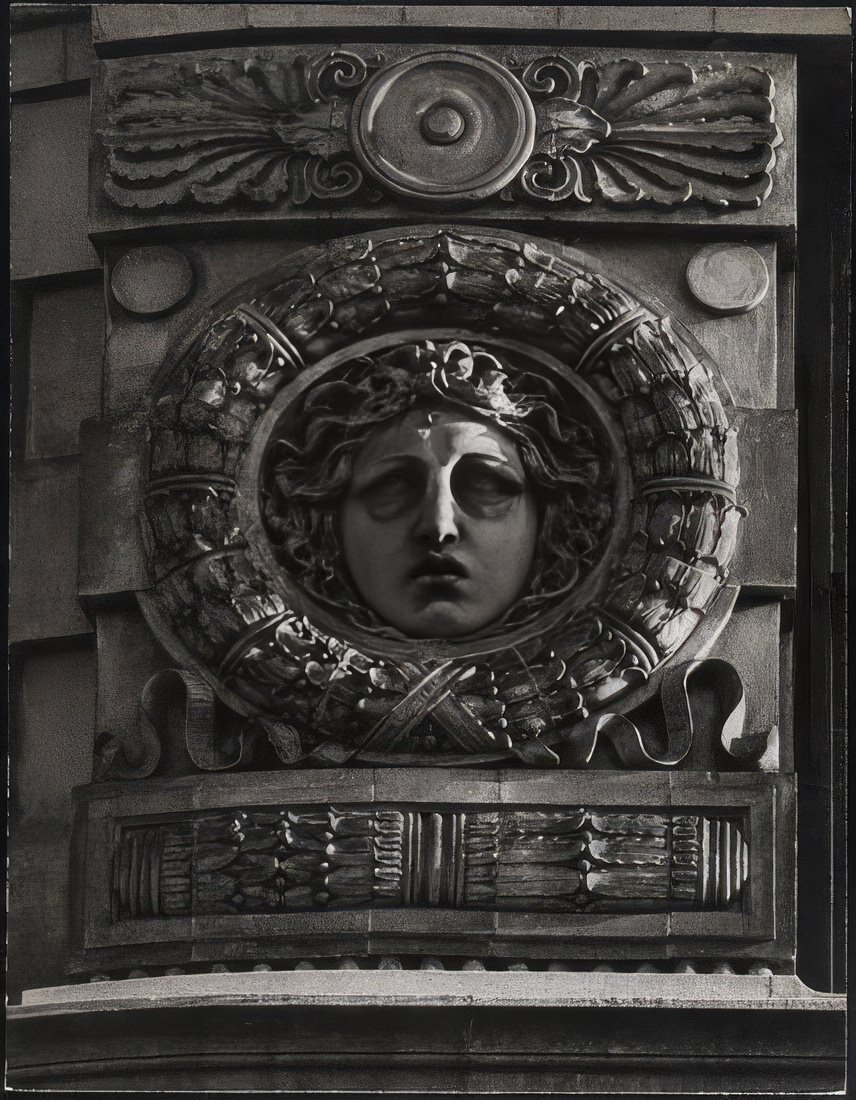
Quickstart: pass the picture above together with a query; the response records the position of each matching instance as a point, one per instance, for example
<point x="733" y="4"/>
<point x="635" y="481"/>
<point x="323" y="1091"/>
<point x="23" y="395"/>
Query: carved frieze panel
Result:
<point x="617" y="417"/>
<point x="326" y="858"/>
<point x="378" y="127"/>
<point x="358" y="861"/>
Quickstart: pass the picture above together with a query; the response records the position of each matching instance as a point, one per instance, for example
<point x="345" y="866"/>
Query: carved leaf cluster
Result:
<point x="664" y="132"/>
<point x="220" y="131"/>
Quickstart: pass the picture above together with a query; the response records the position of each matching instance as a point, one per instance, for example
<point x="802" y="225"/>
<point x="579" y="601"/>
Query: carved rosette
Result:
<point x="440" y="126"/>
<point x="325" y="693"/>
<point x="284" y="860"/>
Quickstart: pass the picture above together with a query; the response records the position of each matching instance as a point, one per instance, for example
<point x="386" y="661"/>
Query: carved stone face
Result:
<point x="439" y="524"/>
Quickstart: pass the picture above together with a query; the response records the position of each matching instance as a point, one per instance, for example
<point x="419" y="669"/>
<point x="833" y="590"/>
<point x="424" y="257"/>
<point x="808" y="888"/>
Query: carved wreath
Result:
<point x="326" y="693"/>
<point x="220" y="130"/>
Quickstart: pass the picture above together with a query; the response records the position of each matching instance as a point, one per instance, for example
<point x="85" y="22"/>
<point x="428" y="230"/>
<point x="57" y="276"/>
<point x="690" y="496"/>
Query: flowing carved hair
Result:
<point x="308" y="467"/>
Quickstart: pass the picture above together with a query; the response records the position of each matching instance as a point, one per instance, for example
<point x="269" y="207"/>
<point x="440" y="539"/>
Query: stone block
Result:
<point x="744" y="346"/>
<point x="766" y="545"/>
<point x="112" y="556"/>
<point x="136" y="346"/>
<point x="127" y="657"/>
<point x="751" y="643"/>
<point x="38" y="904"/>
<point x="37" y="58"/>
<point x="66" y="336"/>
<point x="118" y="213"/>
<point x="43" y="600"/>
<point x="56" y="53"/>
<point x="48" y="191"/>
<point x="420" y="786"/>
<point x="587" y="17"/>
<point x="54" y="705"/>
<point x="114" y="23"/>
<point x="79" y="52"/>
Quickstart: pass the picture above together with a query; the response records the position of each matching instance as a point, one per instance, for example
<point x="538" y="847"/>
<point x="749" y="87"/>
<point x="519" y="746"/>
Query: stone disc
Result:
<point x="728" y="278"/>
<point x="444" y="126"/>
<point x="152" y="280"/>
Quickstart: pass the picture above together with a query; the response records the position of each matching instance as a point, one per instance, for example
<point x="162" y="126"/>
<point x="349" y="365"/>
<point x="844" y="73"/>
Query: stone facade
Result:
<point x="227" y="783"/>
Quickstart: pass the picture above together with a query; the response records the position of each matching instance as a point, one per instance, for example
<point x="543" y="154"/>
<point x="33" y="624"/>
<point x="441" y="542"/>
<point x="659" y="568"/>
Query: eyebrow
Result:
<point x="417" y="459"/>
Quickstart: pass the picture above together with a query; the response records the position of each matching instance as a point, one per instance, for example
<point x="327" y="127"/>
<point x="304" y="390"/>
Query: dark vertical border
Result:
<point x="822" y="351"/>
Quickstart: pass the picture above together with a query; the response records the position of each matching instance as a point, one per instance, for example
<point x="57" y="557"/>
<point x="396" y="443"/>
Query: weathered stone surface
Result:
<point x="37" y="58"/>
<point x="43" y="599"/>
<point x="744" y="347"/>
<point x="728" y="278"/>
<point x="54" y="705"/>
<point x="111" y="551"/>
<point x="766" y="550"/>
<point x="128" y="656"/>
<point x="52" y="53"/>
<point x="113" y="23"/>
<point x="151" y="280"/>
<point x="79" y="51"/>
<point x="446" y="988"/>
<point x="66" y="349"/>
<point x="750" y="642"/>
<point x="700" y="179"/>
<point x="136" y="347"/>
<point x="48" y="193"/>
<point x="38" y="887"/>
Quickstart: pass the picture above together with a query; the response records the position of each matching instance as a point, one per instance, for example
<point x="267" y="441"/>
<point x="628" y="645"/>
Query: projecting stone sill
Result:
<point x="432" y="989"/>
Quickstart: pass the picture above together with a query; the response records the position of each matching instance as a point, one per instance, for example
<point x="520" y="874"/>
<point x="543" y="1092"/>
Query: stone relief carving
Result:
<point x="580" y="860"/>
<point x="438" y="126"/>
<point x="633" y="482"/>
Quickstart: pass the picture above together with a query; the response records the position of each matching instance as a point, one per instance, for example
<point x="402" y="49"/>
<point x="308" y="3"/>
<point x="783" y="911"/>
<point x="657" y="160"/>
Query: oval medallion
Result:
<point x="444" y="126"/>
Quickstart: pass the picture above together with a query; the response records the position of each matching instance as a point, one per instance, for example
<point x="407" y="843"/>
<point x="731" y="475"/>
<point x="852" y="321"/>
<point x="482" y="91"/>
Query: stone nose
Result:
<point x="438" y="523"/>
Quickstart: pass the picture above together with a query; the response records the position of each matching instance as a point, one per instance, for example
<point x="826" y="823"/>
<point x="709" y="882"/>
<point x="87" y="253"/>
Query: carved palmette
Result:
<point x="567" y="860"/>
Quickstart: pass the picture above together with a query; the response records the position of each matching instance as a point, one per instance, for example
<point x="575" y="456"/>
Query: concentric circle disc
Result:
<point x="444" y="126"/>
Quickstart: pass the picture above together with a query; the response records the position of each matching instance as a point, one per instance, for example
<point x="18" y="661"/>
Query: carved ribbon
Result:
<point x="198" y="717"/>
<point x="676" y="697"/>
<point x="127" y="758"/>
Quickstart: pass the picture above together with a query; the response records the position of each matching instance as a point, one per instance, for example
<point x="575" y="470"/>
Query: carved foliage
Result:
<point x="261" y="131"/>
<point x="218" y="131"/>
<point x="581" y="860"/>
<point x="663" y="132"/>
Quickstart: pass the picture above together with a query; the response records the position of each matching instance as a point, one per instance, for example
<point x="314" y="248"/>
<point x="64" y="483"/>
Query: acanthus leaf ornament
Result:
<point x="216" y="132"/>
<point x="665" y="133"/>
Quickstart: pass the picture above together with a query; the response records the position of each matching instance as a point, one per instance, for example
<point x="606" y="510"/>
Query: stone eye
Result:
<point x="392" y="493"/>
<point x="484" y="489"/>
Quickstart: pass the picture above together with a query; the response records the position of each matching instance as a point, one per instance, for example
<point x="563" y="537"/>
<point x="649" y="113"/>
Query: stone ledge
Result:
<point x="435" y="989"/>
<point x="113" y="24"/>
<point x="434" y="1032"/>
